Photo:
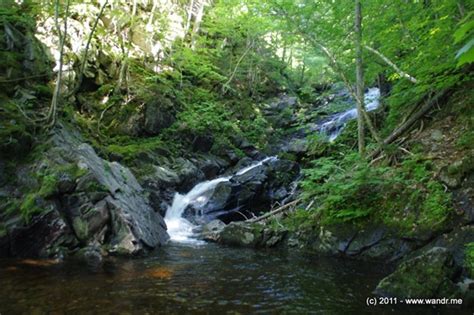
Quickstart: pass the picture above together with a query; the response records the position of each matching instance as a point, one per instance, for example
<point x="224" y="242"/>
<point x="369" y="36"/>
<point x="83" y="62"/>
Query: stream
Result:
<point x="183" y="278"/>
<point x="191" y="276"/>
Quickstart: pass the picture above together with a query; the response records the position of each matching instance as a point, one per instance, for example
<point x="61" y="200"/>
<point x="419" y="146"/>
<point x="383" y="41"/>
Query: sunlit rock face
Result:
<point x="144" y="30"/>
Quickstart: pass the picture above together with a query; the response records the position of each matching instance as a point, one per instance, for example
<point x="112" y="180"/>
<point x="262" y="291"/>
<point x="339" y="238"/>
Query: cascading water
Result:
<point x="248" y="168"/>
<point x="333" y="127"/>
<point x="180" y="229"/>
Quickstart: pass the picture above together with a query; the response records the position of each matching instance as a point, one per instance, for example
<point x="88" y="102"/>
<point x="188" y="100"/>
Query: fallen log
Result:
<point x="274" y="212"/>
<point x="409" y="122"/>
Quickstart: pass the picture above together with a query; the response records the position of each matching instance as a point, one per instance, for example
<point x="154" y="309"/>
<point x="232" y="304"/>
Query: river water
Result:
<point x="194" y="279"/>
<point x="182" y="278"/>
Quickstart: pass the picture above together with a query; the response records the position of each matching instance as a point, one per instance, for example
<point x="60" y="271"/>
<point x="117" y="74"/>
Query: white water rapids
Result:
<point x="180" y="229"/>
<point x="333" y="127"/>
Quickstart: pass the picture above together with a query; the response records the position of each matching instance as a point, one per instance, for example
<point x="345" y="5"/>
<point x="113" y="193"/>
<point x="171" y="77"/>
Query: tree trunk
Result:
<point x="51" y="118"/>
<point x="197" y="22"/>
<point x="359" y="79"/>
<point x="190" y="16"/>
<point x="86" y="51"/>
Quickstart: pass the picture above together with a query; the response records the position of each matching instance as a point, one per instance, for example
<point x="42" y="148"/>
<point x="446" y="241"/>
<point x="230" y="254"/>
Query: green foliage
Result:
<point x="469" y="258"/>
<point x="350" y="190"/>
<point x="300" y="219"/>
<point x="48" y="186"/>
<point x="466" y="141"/>
<point x="130" y="149"/>
<point x="207" y="117"/>
<point x="30" y="206"/>
<point x="15" y="135"/>
<point x="465" y="35"/>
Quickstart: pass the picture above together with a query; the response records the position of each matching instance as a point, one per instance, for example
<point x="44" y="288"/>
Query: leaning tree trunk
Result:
<point x="51" y="118"/>
<point x="359" y="79"/>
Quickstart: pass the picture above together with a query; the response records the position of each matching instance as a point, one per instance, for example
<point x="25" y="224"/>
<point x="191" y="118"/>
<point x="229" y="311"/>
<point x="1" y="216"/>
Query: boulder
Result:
<point x="188" y="173"/>
<point x="211" y="166"/>
<point x="89" y="221"/>
<point x="164" y="177"/>
<point x="158" y="116"/>
<point x="108" y="205"/>
<point x="244" y="234"/>
<point x="41" y="237"/>
<point x="429" y="275"/>
<point x="135" y="226"/>
<point x="241" y="234"/>
<point x="202" y="143"/>
<point x="211" y="230"/>
<point x="91" y="255"/>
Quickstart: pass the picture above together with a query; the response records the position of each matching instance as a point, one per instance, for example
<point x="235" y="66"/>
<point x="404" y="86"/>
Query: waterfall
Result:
<point x="248" y="168"/>
<point x="180" y="229"/>
<point x="334" y="126"/>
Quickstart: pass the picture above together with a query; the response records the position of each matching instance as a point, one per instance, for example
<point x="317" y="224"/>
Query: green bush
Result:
<point x="351" y="190"/>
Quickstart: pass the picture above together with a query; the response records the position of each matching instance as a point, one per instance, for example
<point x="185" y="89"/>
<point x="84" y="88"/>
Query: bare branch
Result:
<point x="391" y="64"/>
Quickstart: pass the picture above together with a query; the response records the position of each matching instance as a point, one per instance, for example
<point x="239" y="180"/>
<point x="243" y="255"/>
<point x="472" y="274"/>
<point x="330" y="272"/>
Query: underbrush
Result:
<point x="350" y="190"/>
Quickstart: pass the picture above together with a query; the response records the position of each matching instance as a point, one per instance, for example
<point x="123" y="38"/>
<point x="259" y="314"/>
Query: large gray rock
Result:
<point x="134" y="223"/>
<point x="117" y="201"/>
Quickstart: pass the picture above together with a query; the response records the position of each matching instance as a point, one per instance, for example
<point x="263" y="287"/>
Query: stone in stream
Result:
<point x="243" y="234"/>
<point x="429" y="275"/>
<point x="211" y="230"/>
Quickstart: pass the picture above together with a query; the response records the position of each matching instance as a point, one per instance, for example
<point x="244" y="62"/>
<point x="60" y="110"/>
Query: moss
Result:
<point x="143" y="170"/>
<point x="29" y="206"/>
<point x="436" y="206"/>
<point x="49" y="186"/>
<point x="426" y="276"/>
<point x="130" y="149"/>
<point x="287" y="156"/>
<point x="469" y="259"/>
<point x="81" y="228"/>
<point x="11" y="206"/>
<point x="466" y="141"/>
<point x="107" y="167"/>
<point x="94" y="186"/>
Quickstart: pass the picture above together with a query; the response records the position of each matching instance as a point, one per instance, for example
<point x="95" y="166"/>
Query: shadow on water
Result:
<point x="205" y="279"/>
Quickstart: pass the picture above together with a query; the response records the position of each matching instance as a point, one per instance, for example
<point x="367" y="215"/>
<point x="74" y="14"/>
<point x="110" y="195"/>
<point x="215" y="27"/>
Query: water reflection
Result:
<point x="185" y="279"/>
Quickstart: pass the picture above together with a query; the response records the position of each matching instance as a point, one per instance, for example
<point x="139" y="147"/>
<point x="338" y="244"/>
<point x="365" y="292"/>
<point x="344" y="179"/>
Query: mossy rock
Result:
<point x="429" y="275"/>
<point x="241" y="234"/>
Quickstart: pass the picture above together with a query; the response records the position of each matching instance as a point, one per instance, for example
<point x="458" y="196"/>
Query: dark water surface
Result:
<point x="184" y="279"/>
